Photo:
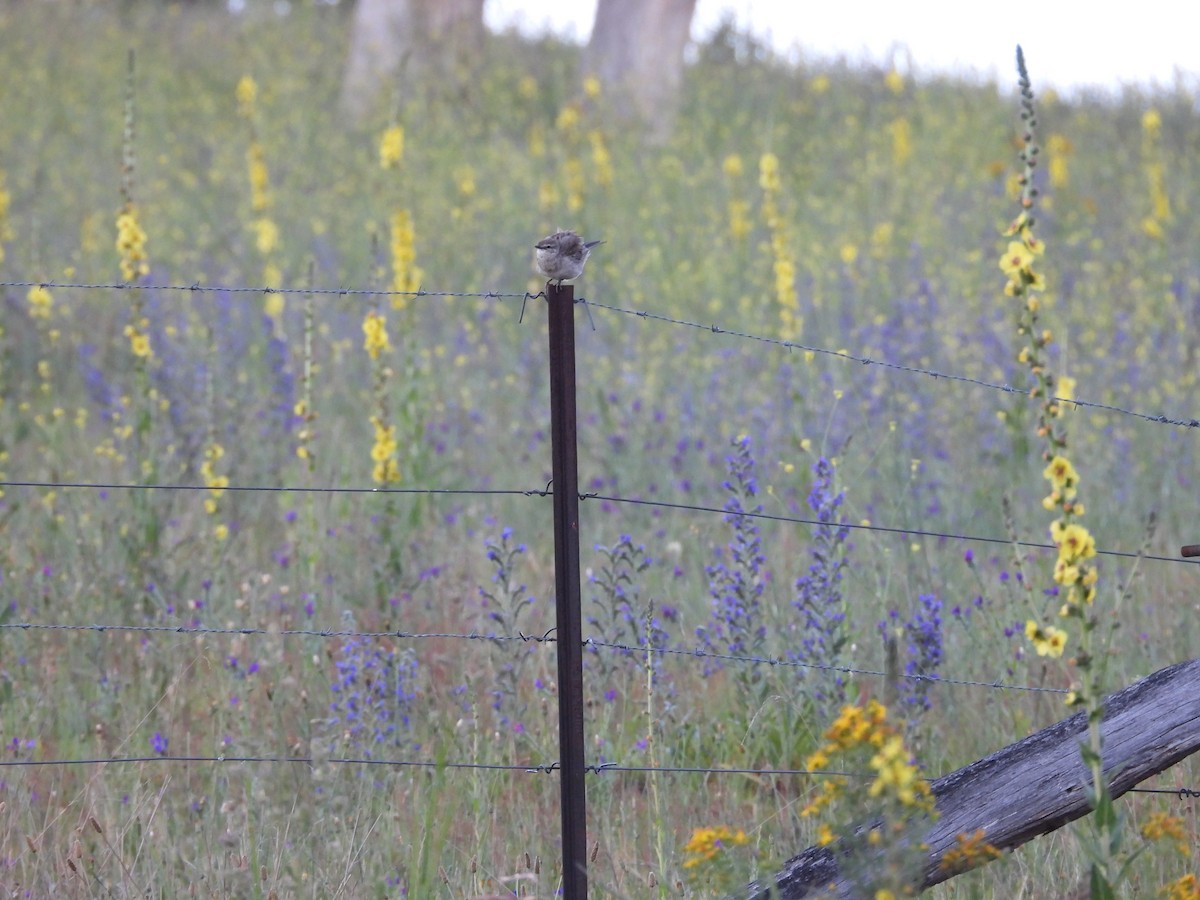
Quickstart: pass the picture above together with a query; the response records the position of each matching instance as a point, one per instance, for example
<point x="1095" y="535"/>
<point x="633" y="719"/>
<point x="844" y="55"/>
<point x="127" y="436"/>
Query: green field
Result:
<point x="839" y="209"/>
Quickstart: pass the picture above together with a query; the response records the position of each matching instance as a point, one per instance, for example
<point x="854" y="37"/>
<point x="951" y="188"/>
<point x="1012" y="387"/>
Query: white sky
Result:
<point x="1068" y="43"/>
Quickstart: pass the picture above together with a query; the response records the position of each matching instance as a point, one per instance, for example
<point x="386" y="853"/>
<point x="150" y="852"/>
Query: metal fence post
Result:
<point x="563" y="435"/>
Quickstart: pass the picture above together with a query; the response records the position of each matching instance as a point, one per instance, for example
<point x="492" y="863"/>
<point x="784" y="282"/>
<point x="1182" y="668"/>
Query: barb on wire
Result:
<point x="791" y="664"/>
<point x="883" y="529"/>
<point x="282" y="632"/>
<point x="540" y="295"/>
<point x="900" y="367"/>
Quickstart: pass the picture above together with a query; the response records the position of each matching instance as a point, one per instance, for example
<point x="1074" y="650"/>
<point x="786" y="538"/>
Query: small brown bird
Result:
<point x="562" y="255"/>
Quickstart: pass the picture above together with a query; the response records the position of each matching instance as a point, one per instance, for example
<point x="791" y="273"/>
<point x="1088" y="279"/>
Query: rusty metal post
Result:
<point x="567" y="591"/>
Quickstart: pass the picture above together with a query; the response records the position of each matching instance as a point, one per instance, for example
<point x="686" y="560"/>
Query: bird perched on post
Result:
<point x="562" y="255"/>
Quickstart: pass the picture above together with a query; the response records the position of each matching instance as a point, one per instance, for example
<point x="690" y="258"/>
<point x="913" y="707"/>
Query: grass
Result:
<point x="890" y="199"/>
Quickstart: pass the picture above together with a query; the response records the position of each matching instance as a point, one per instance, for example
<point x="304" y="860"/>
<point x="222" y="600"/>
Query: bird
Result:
<point x="562" y="255"/>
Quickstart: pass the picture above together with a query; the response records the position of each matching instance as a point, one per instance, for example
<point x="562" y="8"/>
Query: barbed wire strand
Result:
<point x="535" y="769"/>
<point x="824" y="667"/>
<point x="250" y="289"/>
<point x="284" y="488"/>
<point x="548" y="492"/>
<point x="546" y="637"/>
<point x="190" y="630"/>
<point x="645" y="315"/>
<point x="883" y="529"/>
<point x="900" y="367"/>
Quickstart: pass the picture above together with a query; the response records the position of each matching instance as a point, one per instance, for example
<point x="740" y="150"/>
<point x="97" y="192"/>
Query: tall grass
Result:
<point x="838" y="208"/>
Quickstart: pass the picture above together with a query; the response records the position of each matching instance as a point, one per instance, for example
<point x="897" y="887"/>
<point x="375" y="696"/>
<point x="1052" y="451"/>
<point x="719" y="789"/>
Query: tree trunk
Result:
<point x="416" y="38"/>
<point x="636" y="51"/>
<point x="1038" y="784"/>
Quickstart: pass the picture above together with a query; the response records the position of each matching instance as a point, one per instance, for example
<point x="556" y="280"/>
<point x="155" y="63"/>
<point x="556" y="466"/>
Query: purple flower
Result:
<point x="736" y="579"/>
<point x="819" y="591"/>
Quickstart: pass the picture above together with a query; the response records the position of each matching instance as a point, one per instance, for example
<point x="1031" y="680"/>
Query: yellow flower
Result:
<point x="1016" y="259"/>
<point x="1060" y="473"/>
<point x="568" y="119"/>
<point x="383" y="453"/>
<point x="405" y="275"/>
<point x="139" y="341"/>
<point x="895" y="82"/>
<point x="1152" y="122"/>
<point x="376" y="337"/>
<point x="1186" y="888"/>
<point x="1075" y="543"/>
<point x="706" y="843"/>
<point x="391" y="147"/>
<point x="1049" y="641"/>
<point x="246" y="93"/>
<point x="969" y="851"/>
<point x="1055" y="643"/>
<point x="739" y="219"/>
<point x="601" y="158"/>
<point x="901" y="141"/>
<point x="260" y="179"/>
<point x="131" y="245"/>
<point x="768" y="173"/>
<point x="40" y="302"/>
<point x="1064" y="573"/>
<point x="1163" y="825"/>
<point x="732" y="166"/>
<point x="591" y="87"/>
<point x="1066" y="387"/>
<point x="266" y="235"/>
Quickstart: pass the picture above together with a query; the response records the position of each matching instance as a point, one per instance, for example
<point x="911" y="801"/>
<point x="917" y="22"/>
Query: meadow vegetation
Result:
<point x="841" y="209"/>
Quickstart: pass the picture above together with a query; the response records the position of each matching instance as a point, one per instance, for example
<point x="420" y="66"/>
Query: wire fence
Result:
<point x="697" y="653"/>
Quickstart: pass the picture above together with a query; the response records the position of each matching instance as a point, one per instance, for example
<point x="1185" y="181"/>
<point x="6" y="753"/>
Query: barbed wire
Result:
<point x="548" y="492"/>
<point x="290" y="489"/>
<point x="884" y="529"/>
<point x="535" y="768"/>
<point x="900" y="367"/>
<point x="247" y="289"/>
<point x="190" y="630"/>
<point x="546" y="637"/>
<point x="700" y="653"/>
<point x="1182" y="793"/>
<point x="712" y="328"/>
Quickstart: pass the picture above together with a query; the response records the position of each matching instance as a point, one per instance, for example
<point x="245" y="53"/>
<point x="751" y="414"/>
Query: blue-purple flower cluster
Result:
<point x="823" y="632"/>
<point x="505" y="607"/>
<point x="620" y="616"/>
<point x="923" y="650"/>
<point x="737" y="578"/>
<point x="373" y="695"/>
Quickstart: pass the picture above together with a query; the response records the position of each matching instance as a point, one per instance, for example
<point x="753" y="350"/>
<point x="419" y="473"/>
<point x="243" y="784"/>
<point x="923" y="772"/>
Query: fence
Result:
<point x="567" y="498"/>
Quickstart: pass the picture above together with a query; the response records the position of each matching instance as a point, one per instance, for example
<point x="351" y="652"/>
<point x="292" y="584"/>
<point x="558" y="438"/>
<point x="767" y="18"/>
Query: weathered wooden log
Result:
<point x="1038" y="784"/>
